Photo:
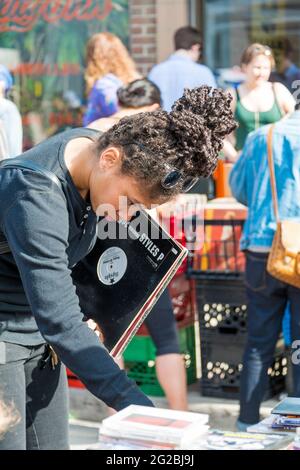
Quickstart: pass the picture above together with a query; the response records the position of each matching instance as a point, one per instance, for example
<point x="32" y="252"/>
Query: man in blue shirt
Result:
<point x="287" y="72"/>
<point x="181" y="69"/>
<point x="267" y="296"/>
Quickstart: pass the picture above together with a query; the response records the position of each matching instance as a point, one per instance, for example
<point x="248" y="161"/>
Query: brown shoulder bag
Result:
<point x="284" y="257"/>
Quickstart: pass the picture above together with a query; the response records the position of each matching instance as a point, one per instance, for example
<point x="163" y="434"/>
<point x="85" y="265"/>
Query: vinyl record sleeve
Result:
<point x="231" y="440"/>
<point x="120" y="280"/>
<point x="155" y="424"/>
<point x="288" y="406"/>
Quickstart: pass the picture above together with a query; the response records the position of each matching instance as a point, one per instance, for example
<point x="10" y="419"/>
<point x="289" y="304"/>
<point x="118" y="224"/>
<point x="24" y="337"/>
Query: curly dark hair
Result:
<point x="188" y="139"/>
<point x="139" y="93"/>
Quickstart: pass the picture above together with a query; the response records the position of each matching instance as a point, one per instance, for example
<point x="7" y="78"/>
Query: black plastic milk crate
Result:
<point x="222" y="309"/>
<point x="220" y="257"/>
<point x="221" y="365"/>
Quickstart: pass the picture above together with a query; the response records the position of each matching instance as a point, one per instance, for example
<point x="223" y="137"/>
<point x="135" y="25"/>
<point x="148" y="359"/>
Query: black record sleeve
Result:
<point x="119" y="276"/>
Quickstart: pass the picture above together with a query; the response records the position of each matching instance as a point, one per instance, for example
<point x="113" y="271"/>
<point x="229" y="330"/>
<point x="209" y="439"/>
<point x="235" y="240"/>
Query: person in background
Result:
<point x="267" y="296"/>
<point x="287" y="72"/>
<point x="11" y="129"/>
<point x="256" y="102"/>
<point x="142" y="95"/>
<point x="109" y="66"/>
<point x="182" y="70"/>
<point x="138" y="96"/>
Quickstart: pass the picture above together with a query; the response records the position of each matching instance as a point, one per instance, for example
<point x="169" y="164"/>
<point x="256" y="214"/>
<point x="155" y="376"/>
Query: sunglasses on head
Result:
<point x="174" y="176"/>
<point x="266" y="50"/>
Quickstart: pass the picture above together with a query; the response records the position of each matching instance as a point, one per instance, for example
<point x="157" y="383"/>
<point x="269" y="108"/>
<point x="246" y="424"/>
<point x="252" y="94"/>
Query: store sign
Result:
<point x="22" y="15"/>
<point x="43" y="43"/>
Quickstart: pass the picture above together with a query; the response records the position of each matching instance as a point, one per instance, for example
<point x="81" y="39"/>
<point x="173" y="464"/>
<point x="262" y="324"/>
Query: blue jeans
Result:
<point x="267" y="300"/>
<point x="39" y="395"/>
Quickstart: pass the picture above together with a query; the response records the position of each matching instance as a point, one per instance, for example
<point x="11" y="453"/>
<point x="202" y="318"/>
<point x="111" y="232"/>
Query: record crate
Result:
<point x="221" y="366"/>
<point x="220" y="257"/>
<point x="218" y="272"/>
<point x="140" y="355"/>
<point x="73" y="380"/>
<point x="222" y="309"/>
<point x="221" y="301"/>
<point x="183" y="296"/>
<point x="182" y="216"/>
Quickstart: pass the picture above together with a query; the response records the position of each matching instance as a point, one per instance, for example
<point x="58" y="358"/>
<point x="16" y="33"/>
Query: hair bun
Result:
<point x="200" y="120"/>
<point x="131" y="93"/>
<point x="139" y="93"/>
<point x="123" y="94"/>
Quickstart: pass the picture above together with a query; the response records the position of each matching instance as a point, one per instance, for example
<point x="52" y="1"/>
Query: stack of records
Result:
<point x="228" y="440"/>
<point x="265" y="426"/>
<point x="287" y="414"/>
<point x="140" y="427"/>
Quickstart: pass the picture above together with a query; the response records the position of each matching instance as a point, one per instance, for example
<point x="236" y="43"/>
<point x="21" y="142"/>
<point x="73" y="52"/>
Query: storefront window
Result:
<point x="230" y="26"/>
<point x="43" y="43"/>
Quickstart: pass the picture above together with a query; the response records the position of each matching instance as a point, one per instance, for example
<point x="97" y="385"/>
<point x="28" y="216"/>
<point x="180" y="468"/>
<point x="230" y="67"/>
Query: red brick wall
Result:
<point x="142" y="30"/>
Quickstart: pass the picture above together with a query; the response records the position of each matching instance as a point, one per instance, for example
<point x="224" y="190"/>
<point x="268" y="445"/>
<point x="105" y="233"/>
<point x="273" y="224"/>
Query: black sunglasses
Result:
<point x="174" y="177"/>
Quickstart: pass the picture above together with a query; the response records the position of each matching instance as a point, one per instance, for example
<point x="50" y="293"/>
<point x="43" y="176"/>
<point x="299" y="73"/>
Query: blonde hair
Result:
<point x="255" y="50"/>
<point x="107" y="54"/>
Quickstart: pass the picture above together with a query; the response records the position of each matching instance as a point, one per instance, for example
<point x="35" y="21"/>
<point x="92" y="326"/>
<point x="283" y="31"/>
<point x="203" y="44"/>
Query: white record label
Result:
<point x="112" y="265"/>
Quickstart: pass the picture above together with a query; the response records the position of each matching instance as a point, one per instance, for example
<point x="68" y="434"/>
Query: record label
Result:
<point x="112" y="266"/>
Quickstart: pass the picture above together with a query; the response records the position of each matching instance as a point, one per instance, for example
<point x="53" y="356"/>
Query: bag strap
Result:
<point x="30" y="165"/>
<point x="282" y="113"/>
<point x="26" y="165"/>
<point x="272" y="171"/>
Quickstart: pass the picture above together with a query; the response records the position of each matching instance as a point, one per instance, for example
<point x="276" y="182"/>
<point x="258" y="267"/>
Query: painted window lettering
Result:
<point x="20" y="16"/>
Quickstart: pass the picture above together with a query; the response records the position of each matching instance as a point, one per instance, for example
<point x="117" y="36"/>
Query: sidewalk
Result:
<point x="86" y="413"/>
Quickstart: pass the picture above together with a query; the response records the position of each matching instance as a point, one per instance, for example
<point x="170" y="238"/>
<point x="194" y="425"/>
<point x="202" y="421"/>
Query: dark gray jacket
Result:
<point x="49" y="229"/>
